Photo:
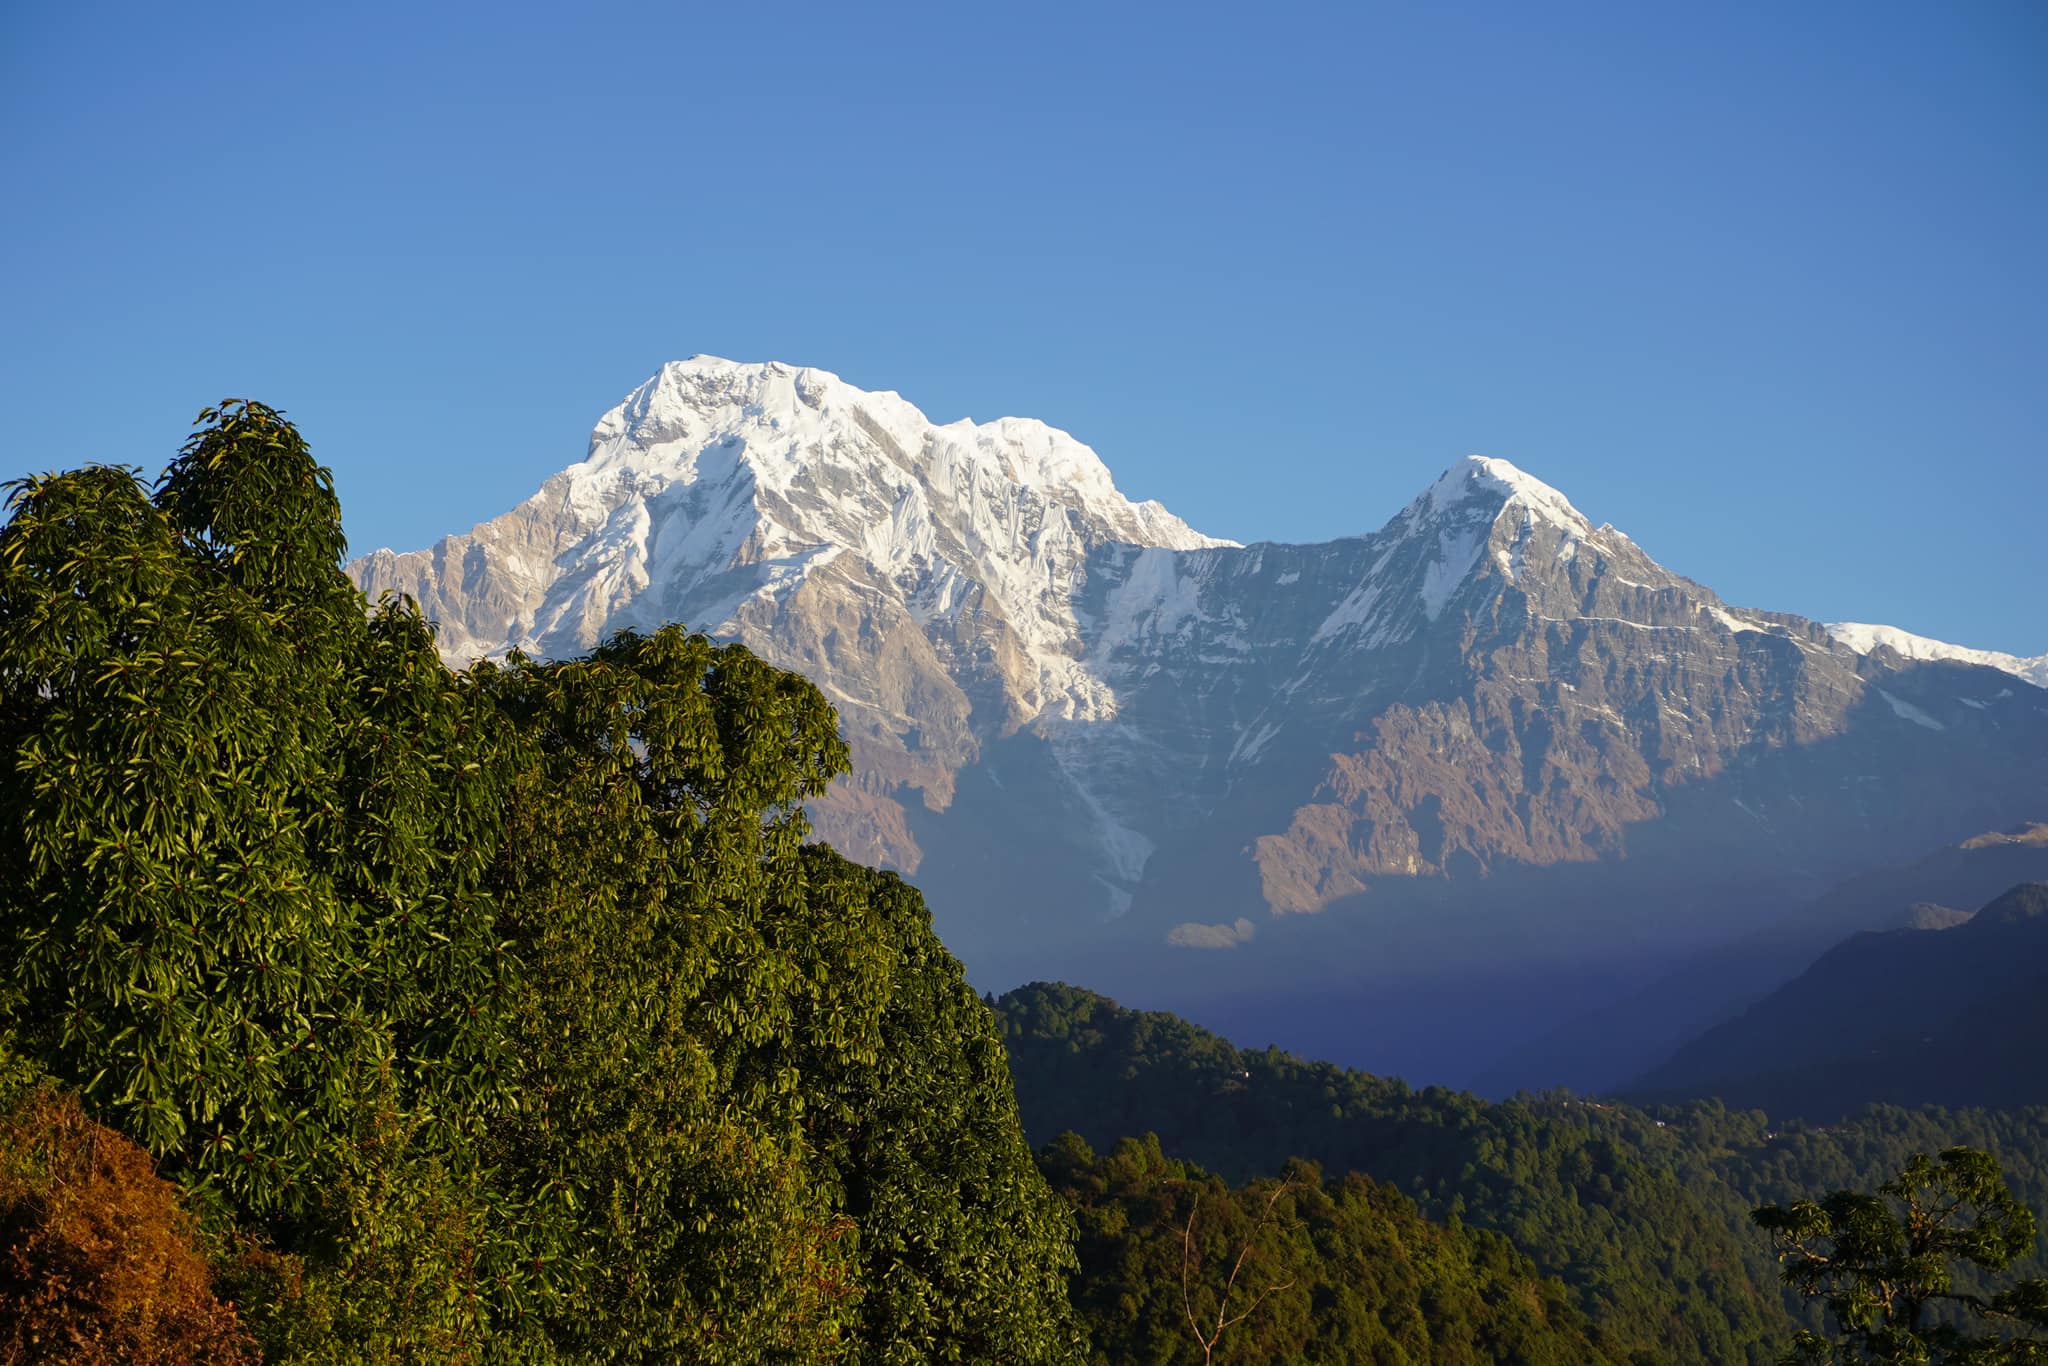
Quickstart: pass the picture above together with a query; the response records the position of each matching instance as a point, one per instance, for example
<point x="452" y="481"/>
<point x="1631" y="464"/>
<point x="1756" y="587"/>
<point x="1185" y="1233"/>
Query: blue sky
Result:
<point x="1762" y="285"/>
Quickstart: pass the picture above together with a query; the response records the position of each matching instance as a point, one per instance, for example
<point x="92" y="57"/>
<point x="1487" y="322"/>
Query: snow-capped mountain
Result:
<point x="924" y="575"/>
<point x="1863" y="638"/>
<point x="713" y="469"/>
<point x="1487" y="736"/>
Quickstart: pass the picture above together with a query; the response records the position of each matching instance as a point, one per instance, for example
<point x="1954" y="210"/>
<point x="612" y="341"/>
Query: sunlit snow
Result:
<point x="1863" y="637"/>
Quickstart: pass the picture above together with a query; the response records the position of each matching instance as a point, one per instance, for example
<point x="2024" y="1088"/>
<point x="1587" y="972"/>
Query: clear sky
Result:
<point x="1763" y="285"/>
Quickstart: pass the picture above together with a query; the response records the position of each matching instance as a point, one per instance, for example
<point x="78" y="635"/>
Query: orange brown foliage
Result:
<point x="98" y="1261"/>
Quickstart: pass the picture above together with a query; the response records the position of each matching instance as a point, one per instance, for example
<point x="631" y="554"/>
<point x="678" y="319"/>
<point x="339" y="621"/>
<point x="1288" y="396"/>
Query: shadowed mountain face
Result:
<point x="1617" y="1041"/>
<point x="1399" y="799"/>
<point x="1952" y="1016"/>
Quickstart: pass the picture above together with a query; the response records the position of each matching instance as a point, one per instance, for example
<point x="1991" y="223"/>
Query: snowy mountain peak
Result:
<point x="709" y="394"/>
<point x="1485" y="480"/>
<point x="717" y="484"/>
<point x="784" y="425"/>
<point x="1863" y="637"/>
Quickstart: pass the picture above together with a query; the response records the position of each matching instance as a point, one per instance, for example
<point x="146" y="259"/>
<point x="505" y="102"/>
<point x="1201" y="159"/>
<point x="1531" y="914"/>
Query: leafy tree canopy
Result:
<point x="493" y="1015"/>
<point x="1178" y="1266"/>
<point x="1885" y="1267"/>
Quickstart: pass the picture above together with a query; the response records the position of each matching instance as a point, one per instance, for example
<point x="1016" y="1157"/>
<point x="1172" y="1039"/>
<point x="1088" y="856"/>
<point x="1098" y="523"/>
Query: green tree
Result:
<point x="783" y="1116"/>
<point x="965" y="1251"/>
<point x="243" y="840"/>
<point x="246" y="824"/>
<point x="498" y="1015"/>
<point x="1886" y="1267"/>
<point x="652" y="832"/>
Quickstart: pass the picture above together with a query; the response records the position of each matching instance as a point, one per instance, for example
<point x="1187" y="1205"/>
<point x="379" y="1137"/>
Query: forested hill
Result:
<point x="1643" y="1214"/>
<point x="1295" y="1268"/>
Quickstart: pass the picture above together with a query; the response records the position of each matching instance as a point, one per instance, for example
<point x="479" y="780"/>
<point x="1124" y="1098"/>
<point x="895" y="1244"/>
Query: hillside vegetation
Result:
<point x="1644" y="1215"/>
<point x="1294" y="1268"/>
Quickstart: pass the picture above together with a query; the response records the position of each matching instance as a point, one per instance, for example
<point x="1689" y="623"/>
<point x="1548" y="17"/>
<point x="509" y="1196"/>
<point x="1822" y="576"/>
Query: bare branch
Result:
<point x="1208" y="1340"/>
<point x="1187" y="1243"/>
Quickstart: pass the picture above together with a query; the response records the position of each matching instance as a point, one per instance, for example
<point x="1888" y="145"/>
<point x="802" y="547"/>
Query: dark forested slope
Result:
<point x="1954" y="1015"/>
<point x="1643" y="1214"/>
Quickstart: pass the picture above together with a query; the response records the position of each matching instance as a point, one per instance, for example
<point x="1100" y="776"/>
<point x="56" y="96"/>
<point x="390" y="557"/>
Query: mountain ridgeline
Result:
<point x="1491" y="753"/>
<point x="1951" y="1009"/>
<point x="1712" y="987"/>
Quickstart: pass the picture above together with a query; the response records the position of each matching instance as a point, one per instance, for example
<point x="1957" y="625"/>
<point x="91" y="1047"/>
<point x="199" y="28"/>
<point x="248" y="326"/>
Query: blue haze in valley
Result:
<point x="1761" y="285"/>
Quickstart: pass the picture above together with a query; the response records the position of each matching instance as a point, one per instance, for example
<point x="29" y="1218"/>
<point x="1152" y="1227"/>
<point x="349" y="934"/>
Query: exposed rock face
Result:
<point x="1083" y="725"/>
